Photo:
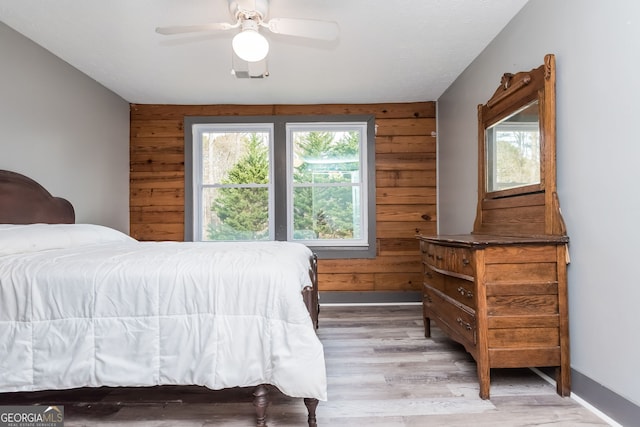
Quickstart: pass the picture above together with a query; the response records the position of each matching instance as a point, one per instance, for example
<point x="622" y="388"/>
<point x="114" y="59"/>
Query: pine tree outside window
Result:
<point x="235" y="195"/>
<point x="326" y="183"/>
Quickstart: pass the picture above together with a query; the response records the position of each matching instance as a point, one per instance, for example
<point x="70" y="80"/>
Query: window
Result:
<point x="298" y="178"/>
<point x="326" y="184"/>
<point x="233" y="182"/>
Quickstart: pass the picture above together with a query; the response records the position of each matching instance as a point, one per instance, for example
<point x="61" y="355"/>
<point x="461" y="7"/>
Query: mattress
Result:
<point x="87" y="306"/>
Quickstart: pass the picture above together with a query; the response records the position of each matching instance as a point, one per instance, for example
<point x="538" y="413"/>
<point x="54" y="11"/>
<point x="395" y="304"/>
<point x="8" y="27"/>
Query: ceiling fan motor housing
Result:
<point x="261" y="7"/>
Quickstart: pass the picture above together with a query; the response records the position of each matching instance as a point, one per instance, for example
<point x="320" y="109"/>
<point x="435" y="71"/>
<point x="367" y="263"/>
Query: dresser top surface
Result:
<point x="483" y="240"/>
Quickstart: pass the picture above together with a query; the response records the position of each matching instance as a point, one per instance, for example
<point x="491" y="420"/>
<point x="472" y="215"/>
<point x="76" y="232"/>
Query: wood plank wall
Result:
<point x="405" y="184"/>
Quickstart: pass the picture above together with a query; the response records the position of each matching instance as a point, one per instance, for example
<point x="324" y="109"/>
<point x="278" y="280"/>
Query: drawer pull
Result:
<point x="429" y="275"/>
<point x="427" y="298"/>
<point x="465" y="261"/>
<point x="464" y="292"/>
<point x="464" y="324"/>
<point x="439" y="257"/>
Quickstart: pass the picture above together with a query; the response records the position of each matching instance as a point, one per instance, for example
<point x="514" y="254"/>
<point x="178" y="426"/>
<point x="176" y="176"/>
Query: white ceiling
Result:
<point x="388" y="51"/>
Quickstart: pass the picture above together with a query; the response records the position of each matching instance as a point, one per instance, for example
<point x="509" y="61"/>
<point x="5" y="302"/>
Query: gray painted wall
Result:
<point x="598" y="58"/>
<point x="64" y="130"/>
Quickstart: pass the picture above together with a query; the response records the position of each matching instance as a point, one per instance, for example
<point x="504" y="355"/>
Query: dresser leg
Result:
<point x="427" y="326"/>
<point x="563" y="381"/>
<point x="484" y="378"/>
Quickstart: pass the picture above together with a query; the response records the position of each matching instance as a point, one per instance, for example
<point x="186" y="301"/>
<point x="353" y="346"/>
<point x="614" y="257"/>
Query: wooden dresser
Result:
<point x="504" y="299"/>
<point x="501" y="291"/>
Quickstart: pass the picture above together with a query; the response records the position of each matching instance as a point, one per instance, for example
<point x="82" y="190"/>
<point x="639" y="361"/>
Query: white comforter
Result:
<point x="88" y="306"/>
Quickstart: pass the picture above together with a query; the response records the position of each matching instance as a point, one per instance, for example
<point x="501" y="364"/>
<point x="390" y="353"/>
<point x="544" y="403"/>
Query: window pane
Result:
<point x="234" y="185"/>
<point x="326" y="213"/>
<point x="235" y="158"/>
<point x="323" y="157"/>
<point x="327" y="187"/>
<point x="235" y="213"/>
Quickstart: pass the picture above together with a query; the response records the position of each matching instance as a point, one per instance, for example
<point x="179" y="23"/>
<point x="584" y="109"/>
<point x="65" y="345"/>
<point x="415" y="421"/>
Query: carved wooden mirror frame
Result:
<point x="530" y="209"/>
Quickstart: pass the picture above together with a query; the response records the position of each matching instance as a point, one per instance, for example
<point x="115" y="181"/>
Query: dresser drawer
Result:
<point x="428" y="252"/>
<point x="459" y="260"/>
<point x="461" y="290"/>
<point x="434" y="279"/>
<point x="448" y="258"/>
<point x="456" y="319"/>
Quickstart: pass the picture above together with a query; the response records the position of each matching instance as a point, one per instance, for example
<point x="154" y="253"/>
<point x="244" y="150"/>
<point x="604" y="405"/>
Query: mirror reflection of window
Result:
<point x="513" y="150"/>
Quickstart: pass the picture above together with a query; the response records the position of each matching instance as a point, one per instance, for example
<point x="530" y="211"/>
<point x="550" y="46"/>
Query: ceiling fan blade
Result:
<point x="184" y="29"/>
<point x="309" y="28"/>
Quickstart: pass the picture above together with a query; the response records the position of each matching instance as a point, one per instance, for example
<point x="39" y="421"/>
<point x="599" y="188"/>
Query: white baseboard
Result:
<point x="581" y="401"/>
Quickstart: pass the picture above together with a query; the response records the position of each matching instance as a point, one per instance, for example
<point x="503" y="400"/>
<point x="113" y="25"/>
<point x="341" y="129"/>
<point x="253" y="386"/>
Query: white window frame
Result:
<point x="361" y="128"/>
<point x="279" y="177"/>
<point x="197" y="162"/>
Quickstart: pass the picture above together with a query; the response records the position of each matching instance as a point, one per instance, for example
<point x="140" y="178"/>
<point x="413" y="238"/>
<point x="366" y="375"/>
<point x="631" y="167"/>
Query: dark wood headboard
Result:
<point x="24" y="201"/>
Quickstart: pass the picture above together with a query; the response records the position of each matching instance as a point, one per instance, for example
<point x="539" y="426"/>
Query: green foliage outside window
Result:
<point x="244" y="212"/>
<point x="325" y="211"/>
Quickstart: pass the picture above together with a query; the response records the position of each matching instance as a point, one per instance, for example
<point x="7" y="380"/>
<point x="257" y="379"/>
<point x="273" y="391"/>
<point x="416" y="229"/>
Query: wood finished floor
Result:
<point x="381" y="372"/>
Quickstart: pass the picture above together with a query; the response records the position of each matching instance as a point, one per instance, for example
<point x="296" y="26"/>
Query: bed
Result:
<point x="84" y="305"/>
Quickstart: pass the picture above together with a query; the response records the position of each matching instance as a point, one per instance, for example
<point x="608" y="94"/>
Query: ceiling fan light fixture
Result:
<point x="249" y="44"/>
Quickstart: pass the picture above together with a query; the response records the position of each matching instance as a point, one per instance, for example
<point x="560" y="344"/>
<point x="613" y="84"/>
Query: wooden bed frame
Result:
<point x="24" y="201"/>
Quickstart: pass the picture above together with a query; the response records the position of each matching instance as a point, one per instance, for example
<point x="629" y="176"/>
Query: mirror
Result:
<point x="517" y="156"/>
<point x="513" y="150"/>
<point x="516" y="127"/>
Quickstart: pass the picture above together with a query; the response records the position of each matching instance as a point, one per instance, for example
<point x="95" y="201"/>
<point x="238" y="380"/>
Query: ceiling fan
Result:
<point x="250" y="16"/>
